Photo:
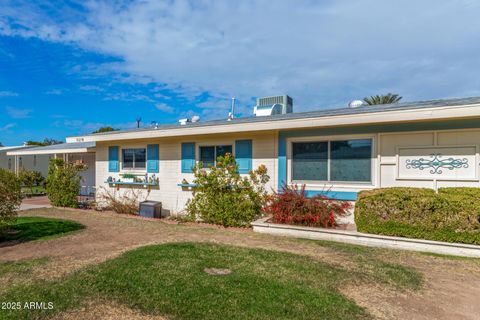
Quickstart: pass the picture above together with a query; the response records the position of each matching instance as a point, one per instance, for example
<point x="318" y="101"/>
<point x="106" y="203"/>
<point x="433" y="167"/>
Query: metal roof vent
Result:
<point x="269" y="106"/>
<point x="355" y="103"/>
<point x="184" y="121"/>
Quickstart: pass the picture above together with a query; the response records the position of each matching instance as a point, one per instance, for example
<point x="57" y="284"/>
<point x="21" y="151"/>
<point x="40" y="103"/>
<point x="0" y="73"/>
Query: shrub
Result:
<point x="10" y="197"/>
<point x="63" y="183"/>
<point x="452" y="215"/>
<point x="224" y="197"/>
<point x="126" y="203"/>
<point x="292" y="206"/>
<point x="30" y="178"/>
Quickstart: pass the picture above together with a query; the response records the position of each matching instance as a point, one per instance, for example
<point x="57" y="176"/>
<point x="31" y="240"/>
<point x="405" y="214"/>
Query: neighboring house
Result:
<point x="82" y="152"/>
<point x="28" y="162"/>
<point x="337" y="152"/>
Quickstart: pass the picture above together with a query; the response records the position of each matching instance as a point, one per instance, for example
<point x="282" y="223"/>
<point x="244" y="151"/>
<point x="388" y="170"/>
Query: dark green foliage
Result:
<point x="169" y="280"/>
<point x="105" y="129"/>
<point x="33" y="228"/>
<point x="382" y="99"/>
<point x="223" y="197"/>
<point x="46" y="142"/>
<point x="452" y="215"/>
<point x="10" y="197"/>
<point x="63" y="183"/>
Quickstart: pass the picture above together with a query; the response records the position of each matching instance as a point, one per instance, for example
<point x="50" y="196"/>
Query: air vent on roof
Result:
<point x="184" y="121"/>
<point x="355" y="103"/>
<point x="268" y="106"/>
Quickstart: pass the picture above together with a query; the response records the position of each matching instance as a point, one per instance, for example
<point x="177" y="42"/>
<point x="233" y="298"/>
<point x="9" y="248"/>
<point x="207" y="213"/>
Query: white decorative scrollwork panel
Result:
<point x="437" y="163"/>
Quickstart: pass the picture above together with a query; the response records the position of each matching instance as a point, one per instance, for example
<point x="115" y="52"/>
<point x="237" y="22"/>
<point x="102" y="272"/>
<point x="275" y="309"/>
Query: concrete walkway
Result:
<point x="35" y="203"/>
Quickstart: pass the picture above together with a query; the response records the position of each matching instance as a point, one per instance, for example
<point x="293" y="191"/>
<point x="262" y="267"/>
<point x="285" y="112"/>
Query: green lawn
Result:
<point x="170" y="280"/>
<point x="20" y="267"/>
<point x="36" y="228"/>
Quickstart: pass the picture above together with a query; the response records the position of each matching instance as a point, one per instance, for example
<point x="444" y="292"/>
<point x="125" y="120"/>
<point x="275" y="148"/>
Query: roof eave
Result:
<point x="390" y="116"/>
<point x="50" y="151"/>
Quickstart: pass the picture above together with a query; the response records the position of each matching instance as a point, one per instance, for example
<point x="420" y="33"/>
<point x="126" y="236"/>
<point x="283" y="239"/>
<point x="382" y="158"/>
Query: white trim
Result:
<point x="50" y="151"/>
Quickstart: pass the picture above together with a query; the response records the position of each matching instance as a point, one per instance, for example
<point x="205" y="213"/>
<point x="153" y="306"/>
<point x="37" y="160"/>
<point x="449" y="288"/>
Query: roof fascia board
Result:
<point x="49" y="151"/>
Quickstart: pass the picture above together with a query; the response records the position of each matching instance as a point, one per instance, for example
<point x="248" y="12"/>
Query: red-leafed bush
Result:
<point x="292" y="206"/>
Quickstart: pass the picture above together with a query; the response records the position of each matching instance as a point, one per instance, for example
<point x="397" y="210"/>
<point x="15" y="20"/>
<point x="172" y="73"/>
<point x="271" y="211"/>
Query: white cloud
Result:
<point x="18" y="113"/>
<point x="8" y="94"/>
<point x="164" y="107"/>
<point x="84" y="127"/>
<point x="8" y="126"/>
<point x="321" y="53"/>
<point x="92" y="88"/>
<point x="55" y="92"/>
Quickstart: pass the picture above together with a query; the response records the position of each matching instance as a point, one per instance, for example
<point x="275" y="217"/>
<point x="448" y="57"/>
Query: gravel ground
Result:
<point x="451" y="289"/>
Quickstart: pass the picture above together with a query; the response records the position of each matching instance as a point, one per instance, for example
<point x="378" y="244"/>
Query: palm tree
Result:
<point x="382" y="99"/>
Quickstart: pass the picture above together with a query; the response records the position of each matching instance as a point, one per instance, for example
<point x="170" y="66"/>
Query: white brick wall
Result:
<point x="173" y="198"/>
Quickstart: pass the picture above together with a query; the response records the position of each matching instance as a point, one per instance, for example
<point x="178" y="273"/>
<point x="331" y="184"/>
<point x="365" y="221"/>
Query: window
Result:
<point x="341" y="161"/>
<point x="20" y="163"/>
<point x="134" y="158"/>
<point x="310" y="161"/>
<point x="34" y="161"/>
<point x="351" y="160"/>
<point x="9" y="163"/>
<point x="209" y="154"/>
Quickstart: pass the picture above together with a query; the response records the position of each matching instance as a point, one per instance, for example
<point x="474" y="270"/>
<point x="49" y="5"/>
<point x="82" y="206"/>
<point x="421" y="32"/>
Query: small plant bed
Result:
<point x="292" y="206"/>
<point x="36" y="228"/>
<point x="451" y="215"/>
<point x="209" y="281"/>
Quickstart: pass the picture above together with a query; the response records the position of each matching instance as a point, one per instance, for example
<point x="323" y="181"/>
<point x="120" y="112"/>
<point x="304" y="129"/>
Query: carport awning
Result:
<point x="74" y="147"/>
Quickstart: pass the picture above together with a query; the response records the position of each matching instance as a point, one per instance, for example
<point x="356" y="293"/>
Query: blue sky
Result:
<point x="69" y="67"/>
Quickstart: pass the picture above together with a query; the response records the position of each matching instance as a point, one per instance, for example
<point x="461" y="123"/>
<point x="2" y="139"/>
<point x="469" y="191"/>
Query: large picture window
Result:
<point x="209" y="154"/>
<point x="334" y="161"/>
<point x="134" y="158"/>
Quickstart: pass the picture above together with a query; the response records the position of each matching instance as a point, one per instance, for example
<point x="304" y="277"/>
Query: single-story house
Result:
<point x="27" y="162"/>
<point x="336" y="152"/>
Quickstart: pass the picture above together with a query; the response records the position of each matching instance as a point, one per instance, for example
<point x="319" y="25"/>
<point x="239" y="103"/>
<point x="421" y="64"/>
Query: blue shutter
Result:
<point x="188" y="157"/>
<point x="113" y="165"/>
<point x="153" y="158"/>
<point x="243" y="155"/>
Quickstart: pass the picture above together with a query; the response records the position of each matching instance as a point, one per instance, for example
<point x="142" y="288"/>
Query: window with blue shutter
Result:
<point x="243" y="155"/>
<point x="188" y="157"/>
<point x="153" y="158"/>
<point x="113" y="165"/>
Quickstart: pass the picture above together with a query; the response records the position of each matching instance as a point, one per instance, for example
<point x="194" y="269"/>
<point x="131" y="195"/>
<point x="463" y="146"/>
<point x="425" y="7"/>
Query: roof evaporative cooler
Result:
<point x="270" y="106"/>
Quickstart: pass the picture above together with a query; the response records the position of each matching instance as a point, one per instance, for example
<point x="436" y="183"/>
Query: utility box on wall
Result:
<point x="150" y="209"/>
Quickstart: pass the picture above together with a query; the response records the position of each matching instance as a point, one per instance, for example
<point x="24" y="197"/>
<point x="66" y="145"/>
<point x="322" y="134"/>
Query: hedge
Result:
<point x="451" y="215"/>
